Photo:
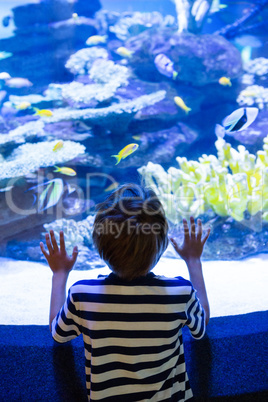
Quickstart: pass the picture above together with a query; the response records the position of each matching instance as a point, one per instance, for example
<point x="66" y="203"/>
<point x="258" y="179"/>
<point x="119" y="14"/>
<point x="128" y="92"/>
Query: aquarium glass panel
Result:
<point x="168" y="93"/>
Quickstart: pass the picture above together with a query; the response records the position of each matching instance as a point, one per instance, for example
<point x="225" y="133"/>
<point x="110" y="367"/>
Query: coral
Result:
<point x="247" y="79"/>
<point x="117" y="115"/>
<point x="206" y="57"/>
<point x="107" y="77"/>
<point x="27" y="158"/>
<point x="78" y="95"/>
<point x="21" y="133"/>
<point x="135" y="23"/>
<point x="76" y="234"/>
<point x="258" y="66"/>
<point x="231" y="184"/>
<point x="81" y="62"/>
<point x="253" y="94"/>
<point x="51" y="94"/>
<point x="106" y="71"/>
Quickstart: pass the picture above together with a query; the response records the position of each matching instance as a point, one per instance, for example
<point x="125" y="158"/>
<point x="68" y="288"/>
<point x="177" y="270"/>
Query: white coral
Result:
<point x="106" y="71"/>
<point x="21" y="133"/>
<point x="75" y="233"/>
<point x="253" y="94"/>
<point x="107" y="77"/>
<point x="129" y="25"/>
<point x="258" y="66"/>
<point x="80" y="62"/>
<point x="79" y="95"/>
<point x="28" y="158"/>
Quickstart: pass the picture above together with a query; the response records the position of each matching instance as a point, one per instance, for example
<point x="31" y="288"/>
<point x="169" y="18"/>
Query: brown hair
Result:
<point x="130" y="231"/>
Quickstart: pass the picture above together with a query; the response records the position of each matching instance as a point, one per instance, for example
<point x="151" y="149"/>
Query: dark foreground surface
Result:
<point x="229" y="364"/>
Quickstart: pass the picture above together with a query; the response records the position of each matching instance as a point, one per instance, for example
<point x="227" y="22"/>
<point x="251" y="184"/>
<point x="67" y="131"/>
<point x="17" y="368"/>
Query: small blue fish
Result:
<point x="165" y="66"/>
<point x="239" y="120"/>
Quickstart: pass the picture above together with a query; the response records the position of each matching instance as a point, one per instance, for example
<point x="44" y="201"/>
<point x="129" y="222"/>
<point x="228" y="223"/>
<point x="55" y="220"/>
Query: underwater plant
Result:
<point x="231" y="184"/>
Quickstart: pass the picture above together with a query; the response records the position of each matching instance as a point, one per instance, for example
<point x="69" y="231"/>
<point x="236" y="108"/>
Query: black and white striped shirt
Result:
<point x="132" y="334"/>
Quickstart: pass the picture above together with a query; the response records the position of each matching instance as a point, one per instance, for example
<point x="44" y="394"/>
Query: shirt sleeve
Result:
<point x="65" y="325"/>
<point x="195" y="316"/>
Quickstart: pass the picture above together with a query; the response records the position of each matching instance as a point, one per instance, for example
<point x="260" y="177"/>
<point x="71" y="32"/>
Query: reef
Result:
<point x="49" y="11"/>
<point x="48" y="25"/>
<point x="233" y="184"/>
<point x="76" y="233"/>
<point x="206" y="58"/>
<point x="253" y="95"/>
<point x="132" y="24"/>
<point x="107" y="77"/>
<point x="115" y="117"/>
<point x="20" y="134"/>
<point x="28" y="158"/>
<point x="81" y="62"/>
<point x="240" y="25"/>
<point x="257" y="66"/>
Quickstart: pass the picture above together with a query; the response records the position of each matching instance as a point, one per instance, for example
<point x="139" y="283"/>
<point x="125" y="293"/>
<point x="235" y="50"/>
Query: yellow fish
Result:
<point x="124" y="52"/>
<point x="96" y="40"/>
<point x="58" y="146"/>
<point x="225" y="81"/>
<point x="113" y="186"/>
<point x="65" y="170"/>
<point x="179" y="102"/>
<point x="128" y="150"/>
<point x="23" y="106"/>
<point x="43" y="112"/>
<point x="136" y="137"/>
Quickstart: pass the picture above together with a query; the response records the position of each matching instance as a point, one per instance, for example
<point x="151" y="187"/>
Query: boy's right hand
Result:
<point x="193" y="243"/>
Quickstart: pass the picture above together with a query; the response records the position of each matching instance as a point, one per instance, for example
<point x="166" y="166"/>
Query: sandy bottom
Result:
<point x="233" y="287"/>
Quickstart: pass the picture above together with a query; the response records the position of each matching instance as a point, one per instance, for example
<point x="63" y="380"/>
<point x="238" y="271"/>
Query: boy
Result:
<point x="131" y="320"/>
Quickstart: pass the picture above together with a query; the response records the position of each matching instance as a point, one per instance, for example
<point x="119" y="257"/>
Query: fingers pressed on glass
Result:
<point x="199" y="229"/>
<point x="48" y="243"/>
<point x="62" y="242"/>
<point x="186" y="229"/>
<point x="173" y="243"/>
<point x="206" y="236"/>
<point x="53" y="240"/>
<point x="43" y="249"/>
<point x="192" y="222"/>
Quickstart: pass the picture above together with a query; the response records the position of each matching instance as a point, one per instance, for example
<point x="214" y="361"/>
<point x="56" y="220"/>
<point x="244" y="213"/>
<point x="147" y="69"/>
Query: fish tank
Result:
<point x="169" y="93"/>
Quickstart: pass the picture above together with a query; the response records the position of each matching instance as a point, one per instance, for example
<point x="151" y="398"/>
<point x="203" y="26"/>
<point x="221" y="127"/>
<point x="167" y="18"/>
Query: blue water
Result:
<point x="37" y="52"/>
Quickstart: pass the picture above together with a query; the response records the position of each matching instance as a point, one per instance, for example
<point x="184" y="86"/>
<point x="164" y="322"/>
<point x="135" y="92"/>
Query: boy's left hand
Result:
<point x="57" y="258"/>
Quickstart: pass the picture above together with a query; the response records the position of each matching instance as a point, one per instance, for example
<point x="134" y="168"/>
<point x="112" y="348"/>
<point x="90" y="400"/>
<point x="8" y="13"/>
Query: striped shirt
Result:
<point x="132" y="334"/>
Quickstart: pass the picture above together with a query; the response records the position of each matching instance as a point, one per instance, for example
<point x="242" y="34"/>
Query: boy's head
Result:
<point x="130" y="231"/>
